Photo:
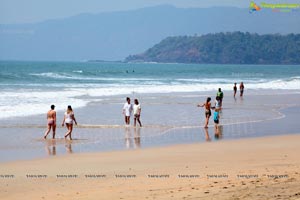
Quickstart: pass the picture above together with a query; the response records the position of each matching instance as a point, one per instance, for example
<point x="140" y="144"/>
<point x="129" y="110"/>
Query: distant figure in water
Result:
<point x="234" y="90"/>
<point x="69" y="117"/>
<point x="51" y="122"/>
<point x="137" y="112"/>
<point x="241" y="89"/>
<point x="207" y="106"/>
<point x="127" y="110"/>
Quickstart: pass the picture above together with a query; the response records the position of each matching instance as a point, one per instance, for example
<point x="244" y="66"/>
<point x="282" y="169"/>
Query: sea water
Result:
<point x="168" y="94"/>
<point x="29" y="88"/>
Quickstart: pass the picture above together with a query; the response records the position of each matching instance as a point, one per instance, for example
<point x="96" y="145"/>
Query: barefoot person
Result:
<point x="216" y="120"/>
<point x="207" y="106"/>
<point x="234" y="90"/>
<point x="220" y="95"/>
<point x="217" y="103"/>
<point x="137" y="112"/>
<point x="241" y="89"/>
<point x="127" y="109"/>
<point x="51" y="122"/>
<point x="69" y="117"/>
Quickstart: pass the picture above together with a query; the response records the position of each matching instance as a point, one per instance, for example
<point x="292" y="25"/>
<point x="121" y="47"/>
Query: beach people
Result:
<point x="127" y="110"/>
<point x="69" y="118"/>
<point x="217" y="103"/>
<point x="51" y="122"/>
<point x="241" y="89"/>
<point x="207" y="106"/>
<point x="234" y="90"/>
<point x="137" y="112"/>
<point x="220" y="95"/>
<point x="216" y="120"/>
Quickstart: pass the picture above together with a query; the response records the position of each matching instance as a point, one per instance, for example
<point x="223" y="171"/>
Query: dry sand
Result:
<point x="272" y="165"/>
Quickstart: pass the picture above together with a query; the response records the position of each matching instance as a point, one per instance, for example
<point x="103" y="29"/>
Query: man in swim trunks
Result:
<point x="51" y="122"/>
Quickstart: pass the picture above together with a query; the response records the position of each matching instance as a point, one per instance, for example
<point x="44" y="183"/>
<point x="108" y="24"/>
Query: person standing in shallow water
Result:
<point x="137" y="112"/>
<point x="69" y="117"/>
<point x="234" y="90"/>
<point x="220" y="95"/>
<point x="127" y="110"/>
<point x="51" y="122"/>
<point x="241" y="89"/>
<point x="207" y="106"/>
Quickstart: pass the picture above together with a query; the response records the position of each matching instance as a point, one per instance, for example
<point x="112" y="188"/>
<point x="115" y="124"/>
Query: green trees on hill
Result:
<point x="225" y="48"/>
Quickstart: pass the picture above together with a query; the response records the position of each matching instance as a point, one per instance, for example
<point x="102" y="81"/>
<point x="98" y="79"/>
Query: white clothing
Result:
<point x="127" y="108"/>
<point x="69" y="118"/>
<point x="218" y="104"/>
<point x="136" y="109"/>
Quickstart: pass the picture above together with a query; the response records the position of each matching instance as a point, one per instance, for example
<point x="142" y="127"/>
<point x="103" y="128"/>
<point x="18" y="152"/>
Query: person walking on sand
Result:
<point x="234" y="90"/>
<point x="69" y="117"/>
<point x="241" y="89"/>
<point x="127" y="110"/>
<point x="207" y="106"/>
<point x="51" y="122"/>
<point x="137" y="112"/>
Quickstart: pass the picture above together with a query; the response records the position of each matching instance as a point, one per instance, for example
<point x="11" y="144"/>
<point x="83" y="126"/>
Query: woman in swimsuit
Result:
<point x="68" y="119"/>
<point x="51" y="122"/>
<point x="207" y="105"/>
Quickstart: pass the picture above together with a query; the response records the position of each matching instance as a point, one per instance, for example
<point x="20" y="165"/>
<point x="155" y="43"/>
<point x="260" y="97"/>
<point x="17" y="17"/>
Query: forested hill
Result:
<point x="225" y="48"/>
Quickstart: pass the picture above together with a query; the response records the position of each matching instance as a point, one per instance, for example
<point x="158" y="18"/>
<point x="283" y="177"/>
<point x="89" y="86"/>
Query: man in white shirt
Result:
<point x="127" y="109"/>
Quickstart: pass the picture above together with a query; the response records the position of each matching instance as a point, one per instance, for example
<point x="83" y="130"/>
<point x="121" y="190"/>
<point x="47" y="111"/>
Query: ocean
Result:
<point x="29" y="88"/>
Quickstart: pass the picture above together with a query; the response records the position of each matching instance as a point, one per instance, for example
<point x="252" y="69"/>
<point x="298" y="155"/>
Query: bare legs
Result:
<point x="137" y="118"/>
<point x="127" y="120"/>
<point x="48" y="131"/>
<point x="70" y="129"/>
<point x="206" y="121"/>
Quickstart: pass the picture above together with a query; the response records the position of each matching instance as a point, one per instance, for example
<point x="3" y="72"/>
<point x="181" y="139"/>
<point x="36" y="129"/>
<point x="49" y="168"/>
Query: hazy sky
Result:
<point x="19" y="11"/>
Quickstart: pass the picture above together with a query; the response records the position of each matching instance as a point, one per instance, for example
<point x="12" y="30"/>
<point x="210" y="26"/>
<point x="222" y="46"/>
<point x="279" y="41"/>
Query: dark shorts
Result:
<point x="207" y="113"/>
<point x="216" y="121"/>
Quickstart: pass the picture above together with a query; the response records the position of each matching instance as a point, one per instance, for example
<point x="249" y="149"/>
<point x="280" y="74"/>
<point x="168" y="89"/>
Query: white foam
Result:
<point x="36" y="101"/>
<point x="26" y="103"/>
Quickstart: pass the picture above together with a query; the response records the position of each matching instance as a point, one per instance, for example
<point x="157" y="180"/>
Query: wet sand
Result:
<point x="256" y="168"/>
<point x="168" y="119"/>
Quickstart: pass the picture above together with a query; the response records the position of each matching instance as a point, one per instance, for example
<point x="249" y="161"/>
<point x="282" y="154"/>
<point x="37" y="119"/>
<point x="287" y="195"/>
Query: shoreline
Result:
<point x="182" y="123"/>
<point x="202" y="94"/>
<point x="251" y="168"/>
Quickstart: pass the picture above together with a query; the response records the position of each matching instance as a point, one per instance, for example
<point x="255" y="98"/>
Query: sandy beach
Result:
<point x="257" y="168"/>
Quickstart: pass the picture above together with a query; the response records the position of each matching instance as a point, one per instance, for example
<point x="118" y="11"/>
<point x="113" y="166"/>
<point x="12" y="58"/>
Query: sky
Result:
<point x="28" y="11"/>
